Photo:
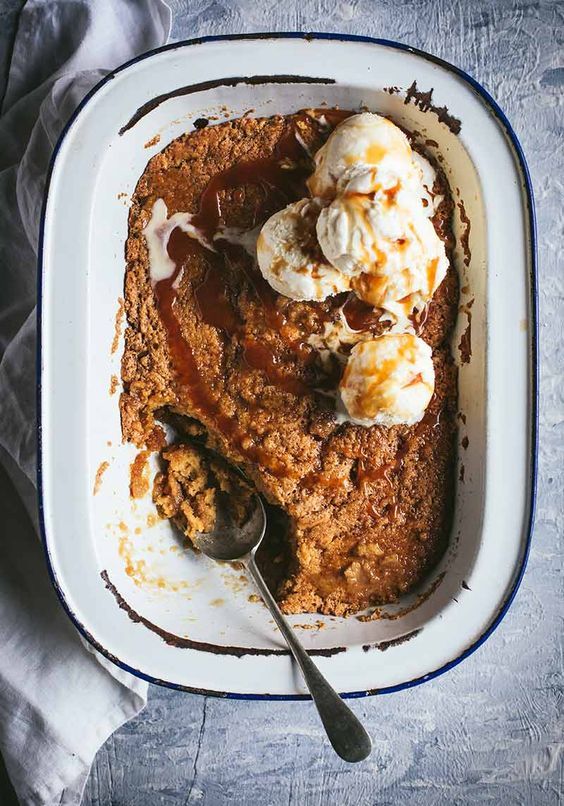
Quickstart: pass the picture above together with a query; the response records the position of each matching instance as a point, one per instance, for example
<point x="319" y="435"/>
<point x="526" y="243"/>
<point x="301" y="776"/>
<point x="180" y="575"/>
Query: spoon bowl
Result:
<point x="229" y="542"/>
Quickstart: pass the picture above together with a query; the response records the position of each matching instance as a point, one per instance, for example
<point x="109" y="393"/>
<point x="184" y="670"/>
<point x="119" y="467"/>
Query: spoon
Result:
<point x="228" y="543"/>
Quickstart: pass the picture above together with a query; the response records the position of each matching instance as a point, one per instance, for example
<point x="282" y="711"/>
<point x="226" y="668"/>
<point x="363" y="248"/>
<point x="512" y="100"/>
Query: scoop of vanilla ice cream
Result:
<point x="386" y="243"/>
<point x="388" y="381"/>
<point x="367" y="140"/>
<point x="289" y="257"/>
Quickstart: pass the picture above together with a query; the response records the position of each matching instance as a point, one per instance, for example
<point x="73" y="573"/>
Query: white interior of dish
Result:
<point x="185" y="594"/>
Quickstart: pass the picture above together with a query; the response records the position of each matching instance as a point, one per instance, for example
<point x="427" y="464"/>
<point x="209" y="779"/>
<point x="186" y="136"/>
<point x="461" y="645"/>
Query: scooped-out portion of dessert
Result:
<point x="290" y="298"/>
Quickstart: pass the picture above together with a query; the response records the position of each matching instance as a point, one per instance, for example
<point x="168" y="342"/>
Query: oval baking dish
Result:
<point x="169" y="615"/>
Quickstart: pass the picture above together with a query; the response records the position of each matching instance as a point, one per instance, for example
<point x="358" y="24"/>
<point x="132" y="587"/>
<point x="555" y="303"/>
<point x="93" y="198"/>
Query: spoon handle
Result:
<point x="348" y="737"/>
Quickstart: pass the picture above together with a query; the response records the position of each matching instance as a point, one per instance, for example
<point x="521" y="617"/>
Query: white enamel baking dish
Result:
<point x="158" y="610"/>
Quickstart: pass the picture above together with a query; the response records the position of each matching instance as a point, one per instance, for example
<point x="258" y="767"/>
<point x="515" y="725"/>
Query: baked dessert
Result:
<point x="323" y="370"/>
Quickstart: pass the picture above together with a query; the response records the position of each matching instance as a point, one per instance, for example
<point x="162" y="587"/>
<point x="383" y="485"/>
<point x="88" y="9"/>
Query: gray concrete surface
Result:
<point x="489" y="731"/>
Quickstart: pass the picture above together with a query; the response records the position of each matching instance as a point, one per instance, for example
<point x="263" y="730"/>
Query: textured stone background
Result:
<point x="491" y="730"/>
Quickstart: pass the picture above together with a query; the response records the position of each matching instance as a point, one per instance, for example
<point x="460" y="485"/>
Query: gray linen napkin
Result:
<point x="58" y="700"/>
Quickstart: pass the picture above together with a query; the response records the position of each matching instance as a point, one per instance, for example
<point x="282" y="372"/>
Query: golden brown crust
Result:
<point x="369" y="508"/>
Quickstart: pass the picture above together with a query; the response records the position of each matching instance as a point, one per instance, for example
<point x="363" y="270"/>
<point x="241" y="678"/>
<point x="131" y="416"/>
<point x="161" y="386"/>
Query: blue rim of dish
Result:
<point x="534" y="369"/>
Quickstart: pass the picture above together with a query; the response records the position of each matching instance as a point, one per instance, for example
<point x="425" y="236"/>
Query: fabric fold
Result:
<point x="59" y="700"/>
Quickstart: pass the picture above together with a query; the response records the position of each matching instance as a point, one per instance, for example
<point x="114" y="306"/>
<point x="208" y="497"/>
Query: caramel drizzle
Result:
<point x="282" y="177"/>
<point x="360" y="315"/>
<point x="180" y="246"/>
<point x="366" y="474"/>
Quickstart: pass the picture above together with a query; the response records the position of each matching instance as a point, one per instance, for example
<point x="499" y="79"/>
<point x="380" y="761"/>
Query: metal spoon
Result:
<point x="229" y="542"/>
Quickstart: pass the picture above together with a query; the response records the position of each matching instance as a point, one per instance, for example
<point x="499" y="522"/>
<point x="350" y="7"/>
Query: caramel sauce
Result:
<point x="275" y="316"/>
<point x="215" y="308"/>
<point x="415" y="380"/>
<point x="374" y="154"/>
<point x="258" y="355"/>
<point x="371" y="286"/>
<point x="360" y="315"/>
<point x="366" y="473"/>
<point x="272" y="304"/>
<point x="432" y="273"/>
<point x="391" y="193"/>
<point x="320" y="479"/>
<point x="282" y="177"/>
<point x="180" y="247"/>
<point x="213" y="303"/>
